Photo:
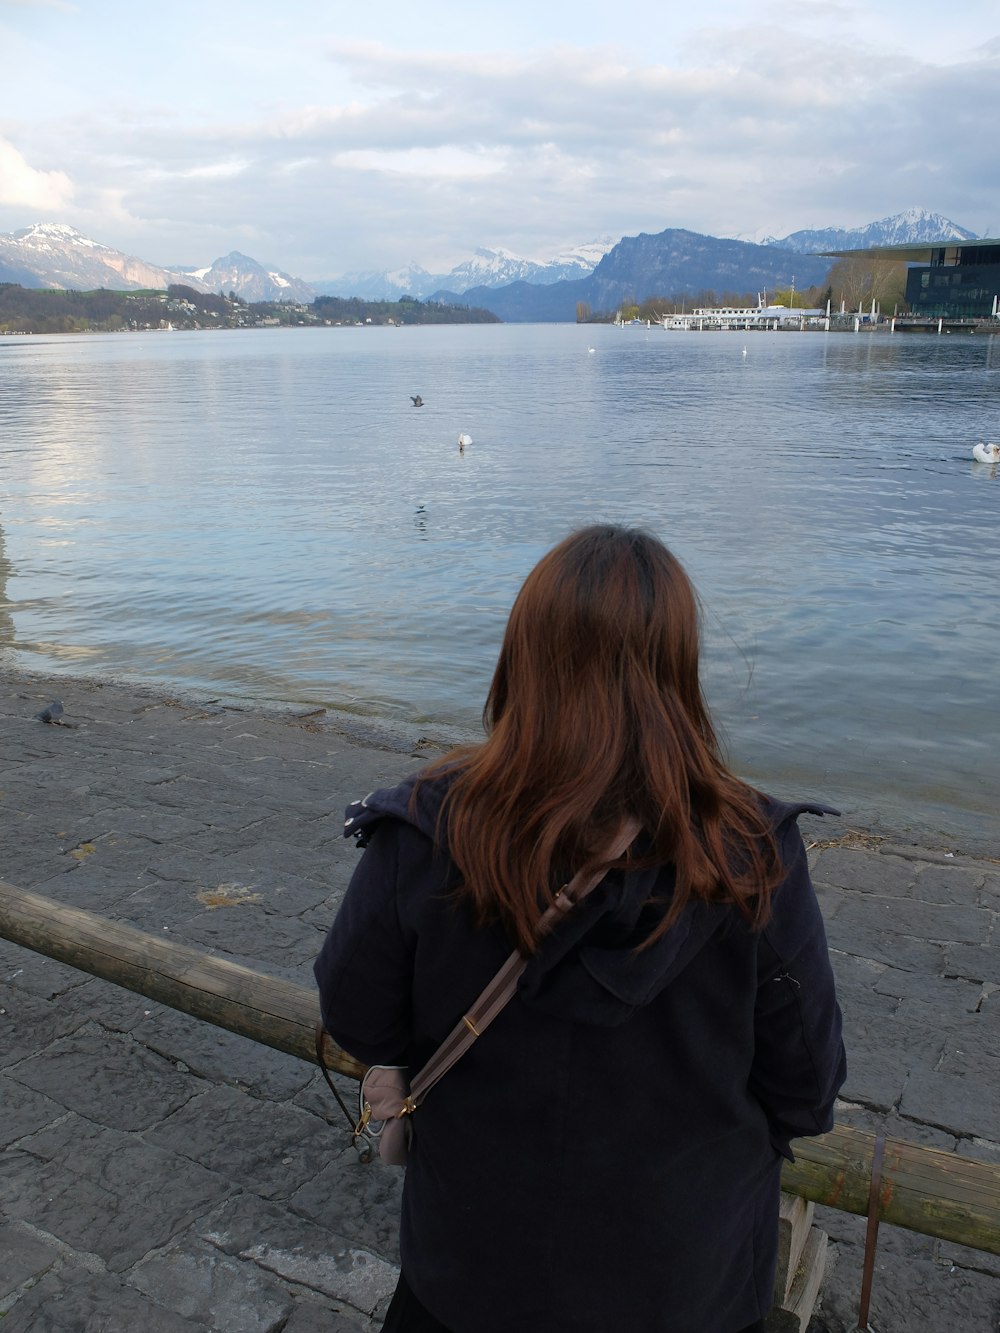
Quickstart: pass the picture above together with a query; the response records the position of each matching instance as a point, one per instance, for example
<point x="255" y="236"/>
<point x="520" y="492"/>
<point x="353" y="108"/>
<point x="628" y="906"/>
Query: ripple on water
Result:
<point x="266" y="514"/>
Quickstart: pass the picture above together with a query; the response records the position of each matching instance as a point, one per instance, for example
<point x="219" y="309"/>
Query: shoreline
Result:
<point x="380" y="732"/>
<point x="895" y="822"/>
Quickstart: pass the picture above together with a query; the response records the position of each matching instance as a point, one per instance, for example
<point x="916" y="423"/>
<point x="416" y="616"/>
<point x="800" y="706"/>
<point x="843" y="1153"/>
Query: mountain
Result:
<point x="249" y="280"/>
<point x="61" y="256"/>
<point x="525" y="302"/>
<point x="486" y="269"/>
<point x="389" y="285"/>
<point x="497" y="268"/>
<point x="670" y="263"/>
<point x="21" y="276"/>
<point x="51" y="254"/>
<point x="914" y="227"/>
<point x="674" y="262"/>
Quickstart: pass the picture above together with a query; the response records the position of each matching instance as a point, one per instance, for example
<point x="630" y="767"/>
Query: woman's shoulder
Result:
<point x="416" y="801"/>
<point x="782" y="816"/>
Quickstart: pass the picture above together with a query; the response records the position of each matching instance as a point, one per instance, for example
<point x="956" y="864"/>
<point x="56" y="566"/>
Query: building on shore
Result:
<point x="949" y="280"/>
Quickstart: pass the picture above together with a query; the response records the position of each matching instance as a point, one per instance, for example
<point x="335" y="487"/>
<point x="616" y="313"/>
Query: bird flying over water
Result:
<point x="416" y="400"/>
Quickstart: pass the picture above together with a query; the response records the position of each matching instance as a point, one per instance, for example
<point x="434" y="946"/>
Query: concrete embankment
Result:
<point x="158" y="1172"/>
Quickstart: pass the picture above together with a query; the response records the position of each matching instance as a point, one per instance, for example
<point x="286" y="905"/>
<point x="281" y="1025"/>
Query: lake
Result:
<point x="264" y="515"/>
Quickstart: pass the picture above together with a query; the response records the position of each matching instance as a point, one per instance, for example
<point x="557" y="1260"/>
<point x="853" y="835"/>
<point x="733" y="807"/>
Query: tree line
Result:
<point x="58" y="310"/>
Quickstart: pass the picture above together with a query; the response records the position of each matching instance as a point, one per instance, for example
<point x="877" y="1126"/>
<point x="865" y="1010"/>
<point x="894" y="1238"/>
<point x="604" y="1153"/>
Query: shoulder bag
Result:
<point x="388" y="1098"/>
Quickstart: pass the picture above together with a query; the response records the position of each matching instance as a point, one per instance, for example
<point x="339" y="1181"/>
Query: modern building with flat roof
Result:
<point x="950" y="279"/>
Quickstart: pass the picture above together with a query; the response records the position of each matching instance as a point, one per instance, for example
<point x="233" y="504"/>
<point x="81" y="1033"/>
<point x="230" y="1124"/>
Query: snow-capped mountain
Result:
<point x="50" y="254"/>
<point x="495" y="268"/>
<point x="61" y="256"/>
<point x="486" y="268"/>
<point x="389" y="285"/>
<point x="249" y="280"/>
<point x="913" y="227"/>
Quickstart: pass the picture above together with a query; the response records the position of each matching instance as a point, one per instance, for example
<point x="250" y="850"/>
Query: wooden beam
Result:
<point x="923" y="1189"/>
<point x="274" y="1012"/>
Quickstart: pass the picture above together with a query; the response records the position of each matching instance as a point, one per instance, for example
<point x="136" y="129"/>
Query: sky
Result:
<point x="322" y="138"/>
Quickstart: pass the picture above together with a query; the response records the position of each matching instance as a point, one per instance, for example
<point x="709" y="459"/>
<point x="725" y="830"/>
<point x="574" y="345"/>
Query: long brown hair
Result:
<point x="596" y="712"/>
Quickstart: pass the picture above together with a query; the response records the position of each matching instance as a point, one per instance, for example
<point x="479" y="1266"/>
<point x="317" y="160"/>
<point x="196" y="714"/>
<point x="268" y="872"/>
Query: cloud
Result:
<point x="421" y="154"/>
<point x="21" y="186"/>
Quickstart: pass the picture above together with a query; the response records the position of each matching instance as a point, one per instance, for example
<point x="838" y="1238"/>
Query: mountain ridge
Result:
<point x="673" y="262"/>
<point x="486" y="268"/>
<point x="60" y="256"/>
<point x="914" y="226"/>
<point x="252" y="281"/>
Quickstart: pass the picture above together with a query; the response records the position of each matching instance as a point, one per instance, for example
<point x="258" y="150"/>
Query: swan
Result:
<point x="986" y="453"/>
<point x="463" y="440"/>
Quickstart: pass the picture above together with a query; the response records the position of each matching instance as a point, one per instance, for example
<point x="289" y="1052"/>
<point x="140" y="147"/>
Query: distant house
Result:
<point x="953" y="280"/>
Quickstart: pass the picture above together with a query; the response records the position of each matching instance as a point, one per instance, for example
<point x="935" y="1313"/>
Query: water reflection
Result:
<point x="266" y="514"/>
<point x="6" y="622"/>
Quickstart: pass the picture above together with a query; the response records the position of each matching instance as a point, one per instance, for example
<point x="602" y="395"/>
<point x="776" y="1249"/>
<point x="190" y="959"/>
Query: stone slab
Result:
<point x="24" y="1257"/>
<point x="976" y="962"/>
<point x="302" y="1252"/>
<point x="24" y="1111"/>
<point x="917" y="920"/>
<point x="948" y="995"/>
<point x="175" y="1188"/>
<point x="113" y="1081"/>
<point x="308" y="1317"/>
<point x="845" y="935"/>
<point x="28" y="971"/>
<point x="956" y="885"/>
<point x="910" y="1293"/>
<point x="199" y="1283"/>
<point x="960" y="1098"/>
<point x="224" y="1057"/>
<point x="882" y="1049"/>
<point x="863" y="872"/>
<point x="83" y="1215"/>
<point x="82" y="1302"/>
<point x="28" y="1024"/>
<point x="269" y="1149"/>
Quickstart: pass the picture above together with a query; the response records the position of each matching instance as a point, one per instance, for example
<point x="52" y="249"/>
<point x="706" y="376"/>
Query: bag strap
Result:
<point x="320" y="1034"/>
<point x="503" y="986"/>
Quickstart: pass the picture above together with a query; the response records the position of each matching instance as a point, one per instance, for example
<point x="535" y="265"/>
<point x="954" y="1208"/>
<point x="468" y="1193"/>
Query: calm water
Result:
<point x="264" y="514"/>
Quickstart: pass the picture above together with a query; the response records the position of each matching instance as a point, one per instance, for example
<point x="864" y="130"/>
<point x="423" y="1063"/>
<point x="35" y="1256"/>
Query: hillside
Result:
<point x="671" y="263"/>
<point x="34" y="310"/>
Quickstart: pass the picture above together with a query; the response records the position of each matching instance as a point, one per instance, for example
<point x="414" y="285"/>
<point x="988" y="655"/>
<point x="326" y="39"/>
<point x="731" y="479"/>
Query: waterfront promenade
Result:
<point x="159" y="1173"/>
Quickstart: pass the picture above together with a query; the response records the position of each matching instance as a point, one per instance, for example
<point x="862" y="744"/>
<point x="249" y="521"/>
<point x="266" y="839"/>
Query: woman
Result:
<point x="608" y="1154"/>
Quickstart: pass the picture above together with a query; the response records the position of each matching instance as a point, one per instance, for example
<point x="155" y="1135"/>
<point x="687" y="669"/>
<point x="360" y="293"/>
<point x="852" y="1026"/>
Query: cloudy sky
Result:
<point x="322" y="137"/>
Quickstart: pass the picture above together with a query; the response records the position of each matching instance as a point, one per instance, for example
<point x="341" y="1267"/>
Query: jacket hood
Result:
<point x="590" y="966"/>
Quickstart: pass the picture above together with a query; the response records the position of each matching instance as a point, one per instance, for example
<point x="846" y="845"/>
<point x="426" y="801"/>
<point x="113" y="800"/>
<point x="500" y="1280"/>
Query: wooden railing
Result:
<point x="936" y="1193"/>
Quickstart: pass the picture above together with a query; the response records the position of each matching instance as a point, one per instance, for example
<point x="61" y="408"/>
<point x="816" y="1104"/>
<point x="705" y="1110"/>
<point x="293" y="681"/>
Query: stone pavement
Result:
<point x="159" y="1173"/>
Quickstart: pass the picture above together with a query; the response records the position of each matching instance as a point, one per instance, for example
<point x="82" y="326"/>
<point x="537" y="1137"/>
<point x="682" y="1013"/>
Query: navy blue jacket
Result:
<point x="608" y="1154"/>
